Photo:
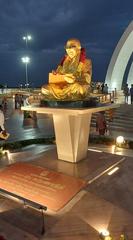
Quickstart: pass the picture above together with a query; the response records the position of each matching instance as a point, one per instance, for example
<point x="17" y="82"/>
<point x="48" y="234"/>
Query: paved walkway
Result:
<point x="106" y="202"/>
<point x="19" y="129"/>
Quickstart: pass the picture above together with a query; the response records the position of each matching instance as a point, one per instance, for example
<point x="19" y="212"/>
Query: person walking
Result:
<point x="16" y="100"/>
<point x="2" y="119"/>
<point x="4" y="103"/>
<point x="3" y="133"/>
<point x="131" y="93"/>
<point x="105" y="89"/>
<point x="126" y="92"/>
<point x="102" y="87"/>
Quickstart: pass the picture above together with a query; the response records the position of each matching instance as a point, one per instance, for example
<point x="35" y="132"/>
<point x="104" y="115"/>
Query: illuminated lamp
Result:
<point x="119" y="141"/>
<point x="104" y="235"/>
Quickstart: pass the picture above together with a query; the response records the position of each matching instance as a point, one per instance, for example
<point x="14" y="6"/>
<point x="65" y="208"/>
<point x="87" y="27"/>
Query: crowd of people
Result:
<point x="99" y="87"/>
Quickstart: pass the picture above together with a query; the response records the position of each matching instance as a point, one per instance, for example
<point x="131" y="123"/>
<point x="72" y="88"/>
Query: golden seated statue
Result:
<point x="72" y="78"/>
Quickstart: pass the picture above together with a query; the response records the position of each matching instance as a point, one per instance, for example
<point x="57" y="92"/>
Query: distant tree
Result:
<point x="1" y="86"/>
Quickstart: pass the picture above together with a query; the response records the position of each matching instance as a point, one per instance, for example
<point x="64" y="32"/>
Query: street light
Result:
<point x="27" y="38"/>
<point x="26" y="60"/>
<point x="21" y="86"/>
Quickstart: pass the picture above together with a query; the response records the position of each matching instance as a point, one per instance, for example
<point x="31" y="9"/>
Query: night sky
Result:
<point x="98" y="24"/>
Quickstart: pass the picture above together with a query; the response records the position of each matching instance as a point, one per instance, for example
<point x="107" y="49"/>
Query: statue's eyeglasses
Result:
<point x="70" y="47"/>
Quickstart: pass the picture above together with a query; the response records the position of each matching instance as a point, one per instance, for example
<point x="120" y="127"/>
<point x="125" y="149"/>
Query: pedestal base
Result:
<point x="72" y="136"/>
<point x="72" y="127"/>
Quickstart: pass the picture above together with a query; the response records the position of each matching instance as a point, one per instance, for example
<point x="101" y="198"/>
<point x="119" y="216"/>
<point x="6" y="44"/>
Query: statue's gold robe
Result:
<point x="78" y="89"/>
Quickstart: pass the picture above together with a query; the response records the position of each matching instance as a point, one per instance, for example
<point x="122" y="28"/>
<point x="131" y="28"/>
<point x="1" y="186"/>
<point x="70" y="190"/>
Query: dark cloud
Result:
<point x="99" y="25"/>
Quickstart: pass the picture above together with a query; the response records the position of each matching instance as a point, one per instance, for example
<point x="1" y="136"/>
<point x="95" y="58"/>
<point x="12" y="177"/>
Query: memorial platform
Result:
<point x="106" y="202"/>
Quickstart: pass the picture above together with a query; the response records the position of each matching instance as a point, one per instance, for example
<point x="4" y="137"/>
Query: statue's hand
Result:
<point x="87" y="78"/>
<point x="69" y="78"/>
<point x="54" y="72"/>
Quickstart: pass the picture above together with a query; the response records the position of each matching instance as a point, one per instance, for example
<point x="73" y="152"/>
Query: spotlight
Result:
<point x="104" y="235"/>
<point x="120" y="141"/>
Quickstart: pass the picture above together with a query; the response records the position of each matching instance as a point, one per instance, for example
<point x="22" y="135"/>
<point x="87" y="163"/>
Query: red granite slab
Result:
<point x="40" y="185"/>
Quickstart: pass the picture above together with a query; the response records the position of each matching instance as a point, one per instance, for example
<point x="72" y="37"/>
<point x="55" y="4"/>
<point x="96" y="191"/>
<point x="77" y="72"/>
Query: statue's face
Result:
<point x="71" y="51"/>
<point x="72" y="48"/>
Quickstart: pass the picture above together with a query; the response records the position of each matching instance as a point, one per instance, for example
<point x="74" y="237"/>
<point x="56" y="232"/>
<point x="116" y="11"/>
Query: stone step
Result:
<point x="124" y="130"/>
<point x="120" y="114"/>
<point x="122" y="120"/>
<point x="115" y="126"/>
<point x="124" y="111"/>
<point x="117" y="121"/>
<point x="124" y="114"/>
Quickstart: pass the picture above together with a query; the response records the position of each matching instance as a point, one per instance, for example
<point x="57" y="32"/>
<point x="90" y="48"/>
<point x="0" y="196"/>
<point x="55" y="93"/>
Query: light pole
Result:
<point x="26" y="39"/>
<point x="26" y="60"/>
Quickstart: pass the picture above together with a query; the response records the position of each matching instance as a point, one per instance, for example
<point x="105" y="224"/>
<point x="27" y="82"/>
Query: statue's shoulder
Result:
<point x="88" y="61"/>
<point x="88" y="64"/>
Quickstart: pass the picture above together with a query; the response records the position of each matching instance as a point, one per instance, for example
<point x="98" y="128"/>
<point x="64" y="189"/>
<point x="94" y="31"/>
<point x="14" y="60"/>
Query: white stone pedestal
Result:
<point x="72" y="127"/>
<point x="72" y="136"/>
